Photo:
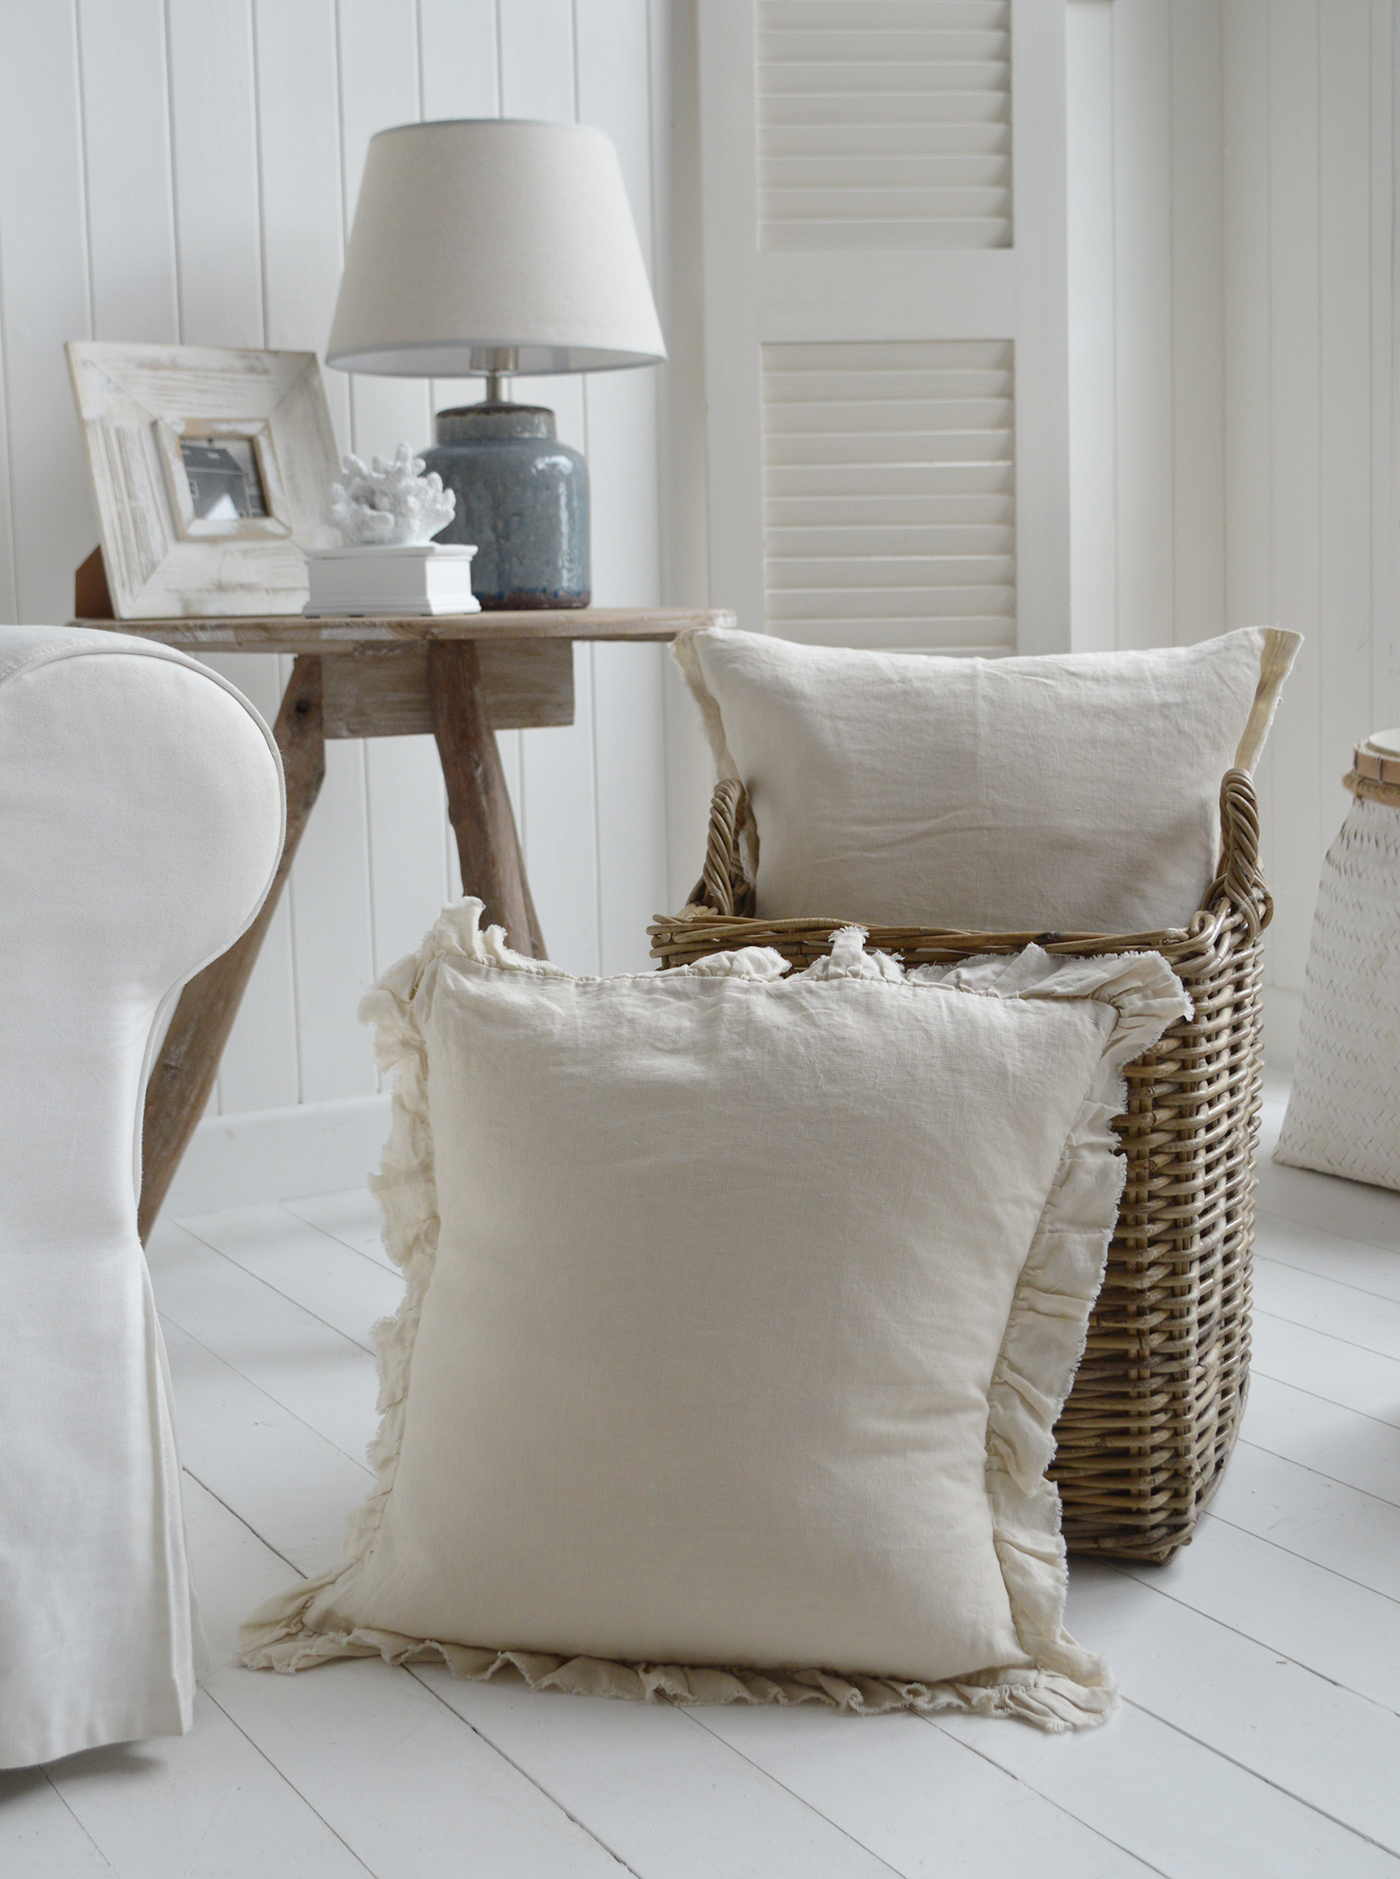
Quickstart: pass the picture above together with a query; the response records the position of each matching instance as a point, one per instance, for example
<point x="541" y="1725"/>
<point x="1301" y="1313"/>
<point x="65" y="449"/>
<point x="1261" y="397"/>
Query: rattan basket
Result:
<point x="1156" y="1404"/>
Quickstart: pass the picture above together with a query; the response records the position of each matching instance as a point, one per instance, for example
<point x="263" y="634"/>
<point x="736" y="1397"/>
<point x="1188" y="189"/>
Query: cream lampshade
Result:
<point x="500" y="247"/>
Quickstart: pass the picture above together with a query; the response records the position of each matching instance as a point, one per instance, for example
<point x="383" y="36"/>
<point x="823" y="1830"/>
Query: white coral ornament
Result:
<point x="390" y="505"/>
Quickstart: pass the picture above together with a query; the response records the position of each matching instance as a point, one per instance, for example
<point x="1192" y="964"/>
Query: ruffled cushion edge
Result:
<point x="1064" y="1686"/>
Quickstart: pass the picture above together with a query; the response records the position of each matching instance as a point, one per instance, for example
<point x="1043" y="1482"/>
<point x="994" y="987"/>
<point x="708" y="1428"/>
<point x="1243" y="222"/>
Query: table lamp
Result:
<point x="502" y="247"/>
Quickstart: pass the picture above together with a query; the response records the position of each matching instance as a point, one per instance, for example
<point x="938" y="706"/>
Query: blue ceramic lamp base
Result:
<point x="522" y="501"/>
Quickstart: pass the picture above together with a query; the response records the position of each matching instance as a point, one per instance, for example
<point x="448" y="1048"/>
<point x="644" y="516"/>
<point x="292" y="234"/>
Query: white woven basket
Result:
<point x="1344" y="1112"/>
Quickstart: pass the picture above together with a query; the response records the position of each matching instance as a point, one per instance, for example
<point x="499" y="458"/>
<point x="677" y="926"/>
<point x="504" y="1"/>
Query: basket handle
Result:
<point x="1239" y="879"/>
<point x="726" y="885"/>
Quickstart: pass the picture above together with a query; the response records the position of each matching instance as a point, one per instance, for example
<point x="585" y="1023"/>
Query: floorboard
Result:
<point x="206" y="1805"/>
<point x="306" y="1265"/>
<point x="1373" y="1269"/>
<point x="666" y="1794"/>
<point x="402" y="1780"/>
<point x="352" y="1217"/>
<point x="1327" y="1203"/>
<point x="1185" y="1809"/>
<point x="1342" y="1631"/>
<point x="1329" y="1305"/>
<point x="1329" y="1367"/>
<point x="1304" y="1427"/>
<point x="40" y="1836"/>
<point x="929" y="1804"/>
<point x="317" y="1374"/>
<point x="1327" y="1745"/>
<point x="280" y="1476"/>
<point x="1312" y="1517"/>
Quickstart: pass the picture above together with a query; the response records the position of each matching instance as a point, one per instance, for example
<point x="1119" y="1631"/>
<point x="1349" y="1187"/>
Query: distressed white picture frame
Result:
<point x="162" y="561"/>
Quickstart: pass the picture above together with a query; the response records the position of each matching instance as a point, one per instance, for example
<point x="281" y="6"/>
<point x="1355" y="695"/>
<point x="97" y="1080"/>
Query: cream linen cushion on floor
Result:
<point x="739" y="1312"/>
<point x="1073" y="793"/>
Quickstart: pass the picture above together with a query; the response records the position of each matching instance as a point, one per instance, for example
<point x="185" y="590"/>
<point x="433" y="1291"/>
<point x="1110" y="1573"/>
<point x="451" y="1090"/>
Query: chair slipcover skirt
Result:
<point x="141" y="819"/>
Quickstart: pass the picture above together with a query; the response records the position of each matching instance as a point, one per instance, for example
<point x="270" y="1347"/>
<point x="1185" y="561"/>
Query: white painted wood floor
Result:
<point x="1260" y="1671"/>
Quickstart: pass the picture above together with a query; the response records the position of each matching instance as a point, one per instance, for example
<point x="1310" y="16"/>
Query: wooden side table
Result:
<point x="460" y="676"/>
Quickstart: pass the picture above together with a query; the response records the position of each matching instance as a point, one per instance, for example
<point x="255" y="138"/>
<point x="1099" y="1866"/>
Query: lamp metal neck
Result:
<point x="500" y="362"/>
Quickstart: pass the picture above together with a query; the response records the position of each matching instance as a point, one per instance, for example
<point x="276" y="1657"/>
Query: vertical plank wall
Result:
<point x="172" y="170"/>
<point x="1231" y="205"/>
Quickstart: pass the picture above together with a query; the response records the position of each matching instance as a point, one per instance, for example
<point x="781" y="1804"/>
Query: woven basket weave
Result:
<point x="1157" y="1400"/>
<point x="1344" y="1110"/>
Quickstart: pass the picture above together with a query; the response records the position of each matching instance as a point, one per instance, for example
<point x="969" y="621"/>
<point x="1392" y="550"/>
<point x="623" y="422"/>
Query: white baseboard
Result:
<point x="1283" y="1011"/>
<point x="279" y="1154"/>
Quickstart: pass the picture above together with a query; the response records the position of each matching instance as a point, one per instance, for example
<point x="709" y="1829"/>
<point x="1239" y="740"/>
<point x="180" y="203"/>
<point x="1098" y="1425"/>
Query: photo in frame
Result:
<point x="211" y="471"/>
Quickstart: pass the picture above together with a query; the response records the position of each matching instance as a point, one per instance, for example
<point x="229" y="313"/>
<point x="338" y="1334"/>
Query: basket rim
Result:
<point x="1237" y="897"/>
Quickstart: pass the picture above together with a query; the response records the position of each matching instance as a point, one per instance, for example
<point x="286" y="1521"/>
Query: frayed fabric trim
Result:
<point x="1048" y="1700"/>
<point x="1065" y="1686"/>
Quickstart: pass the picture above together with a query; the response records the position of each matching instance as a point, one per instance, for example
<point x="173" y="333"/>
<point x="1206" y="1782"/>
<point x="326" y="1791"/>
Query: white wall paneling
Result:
<point x="557" y="805"/>
<point x="1041" y="333"/>
<point x="186" y="172"/>
<point x="1197" y="362"/>
<point x="8" y="597"/>
<point x="1231" y="209"/>
<point x="178" y="172"/>
<point x="459" y="58"/>
<point x="681" y="411"/>
<point x="1142" y="276"/>
<point x="613" y="57"/>
<point x="1089" y="132"/>
<point x="47" y="299"/>
<point x="214" y="134"/>
<point x="733" y="333"/>
<point x="388" y="780"/>
<point x="126" y="169"/>
<point x="1294" y="800"/>
<point x="379" y="85"/>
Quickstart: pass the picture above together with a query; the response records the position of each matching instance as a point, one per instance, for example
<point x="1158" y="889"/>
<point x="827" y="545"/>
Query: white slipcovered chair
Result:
<point x="140" y="823"/>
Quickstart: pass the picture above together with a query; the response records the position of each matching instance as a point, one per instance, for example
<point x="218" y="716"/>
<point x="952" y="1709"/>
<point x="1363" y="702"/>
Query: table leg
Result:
<point x="184" y="1072"/>
<point x="477" y="799"/>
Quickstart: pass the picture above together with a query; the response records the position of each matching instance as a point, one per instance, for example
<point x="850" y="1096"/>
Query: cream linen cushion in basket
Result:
<point x="739" y="1310"/>
<point x="1076" y="793"/>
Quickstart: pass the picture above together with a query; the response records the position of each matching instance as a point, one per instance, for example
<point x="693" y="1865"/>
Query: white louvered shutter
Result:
<point x="885" y="315"/>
